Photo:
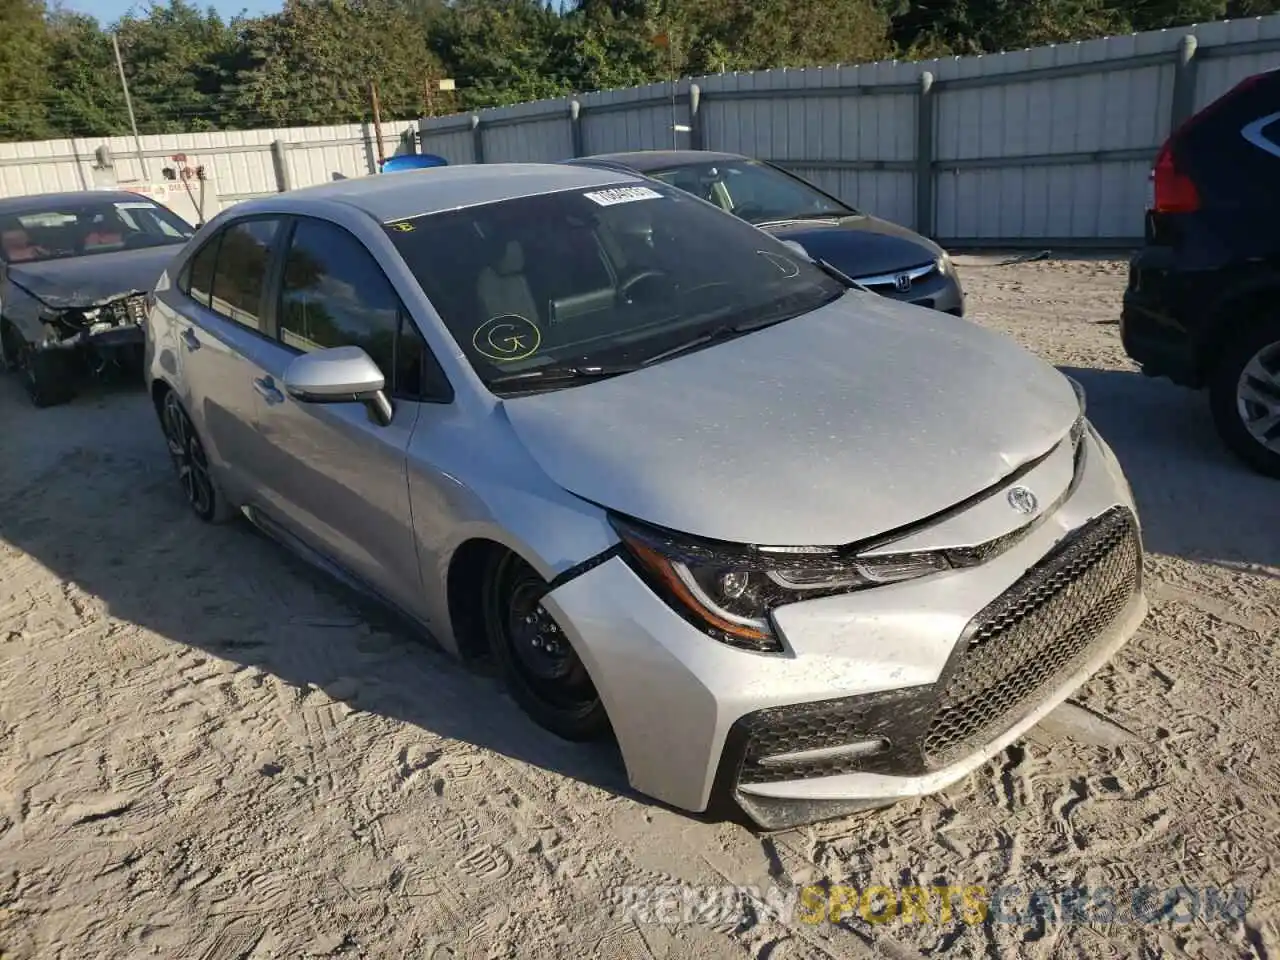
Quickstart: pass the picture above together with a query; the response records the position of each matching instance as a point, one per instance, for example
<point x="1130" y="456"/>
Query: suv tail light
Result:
<point x="1172" y="191"/>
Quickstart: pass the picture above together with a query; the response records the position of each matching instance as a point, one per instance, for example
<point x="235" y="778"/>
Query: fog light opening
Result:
<point x="844" y="751"/>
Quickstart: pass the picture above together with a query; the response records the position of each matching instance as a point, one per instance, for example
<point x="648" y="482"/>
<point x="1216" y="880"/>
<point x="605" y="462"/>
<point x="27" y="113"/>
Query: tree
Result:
<point x="24" y="80"/>
<point x="312" y="62"/>
<point x="86" y="99"/>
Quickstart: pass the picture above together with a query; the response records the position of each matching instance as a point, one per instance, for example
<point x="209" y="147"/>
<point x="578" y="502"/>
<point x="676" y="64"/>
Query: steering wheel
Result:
<point x="625" y="288"/>
<point x="748" y="211"/>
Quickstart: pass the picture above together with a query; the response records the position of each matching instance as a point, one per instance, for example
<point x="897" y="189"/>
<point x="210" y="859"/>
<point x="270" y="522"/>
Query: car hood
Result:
<point x="92" y="280"/>
<point x="860" y="246"/>
<point x="845" y="423"/>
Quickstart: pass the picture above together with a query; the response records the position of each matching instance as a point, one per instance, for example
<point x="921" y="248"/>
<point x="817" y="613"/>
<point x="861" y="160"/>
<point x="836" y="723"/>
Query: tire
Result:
<point x="1244" y="395"/>
<point x="186" y="451"/>
<point x="541" y="670"/>
<point x="46" y="375"/>
<point x="8" y="346"/>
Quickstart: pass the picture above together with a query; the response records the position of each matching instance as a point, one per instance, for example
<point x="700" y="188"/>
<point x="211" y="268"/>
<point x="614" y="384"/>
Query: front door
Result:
<point x="334" y="477"/>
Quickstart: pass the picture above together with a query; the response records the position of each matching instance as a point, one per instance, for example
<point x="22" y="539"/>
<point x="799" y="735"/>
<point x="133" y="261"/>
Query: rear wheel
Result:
<point x="191" y="463"/>
<point x="1245" y="396"/>
<point x="542" y="671"/>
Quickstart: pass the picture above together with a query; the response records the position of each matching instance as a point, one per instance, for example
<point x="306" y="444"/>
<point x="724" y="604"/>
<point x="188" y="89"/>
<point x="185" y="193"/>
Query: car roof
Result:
<point x="643" y="161"/>
<point x="402" y="195"/>
<point x="54" y="202"/>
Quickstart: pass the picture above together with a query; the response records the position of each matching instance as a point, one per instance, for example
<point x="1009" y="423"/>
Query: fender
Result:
<point x="1231" y="310"/>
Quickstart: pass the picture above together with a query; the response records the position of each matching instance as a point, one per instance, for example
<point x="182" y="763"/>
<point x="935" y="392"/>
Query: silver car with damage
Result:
<point x="801" y="548"/>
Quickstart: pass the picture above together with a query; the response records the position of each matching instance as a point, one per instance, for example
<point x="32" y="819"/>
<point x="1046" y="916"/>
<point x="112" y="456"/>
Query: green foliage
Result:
<point x="314" y="61"/>
<point x="24" y="79"/>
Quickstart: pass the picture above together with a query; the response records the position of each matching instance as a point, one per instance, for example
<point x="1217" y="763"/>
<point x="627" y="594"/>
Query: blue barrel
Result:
<point x="413" y="161"/>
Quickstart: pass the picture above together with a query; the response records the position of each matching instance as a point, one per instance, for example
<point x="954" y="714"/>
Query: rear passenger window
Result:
<point x="199" y="280"/>
<point x="243" y="257"/>
<point x="334" y="294"/>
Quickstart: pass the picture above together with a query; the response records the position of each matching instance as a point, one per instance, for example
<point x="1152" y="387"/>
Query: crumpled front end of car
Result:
<point x="879" y="693"/>
<point x="111" y="322"/>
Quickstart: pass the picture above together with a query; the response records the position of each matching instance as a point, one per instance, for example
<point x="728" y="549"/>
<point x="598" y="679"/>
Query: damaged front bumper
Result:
<point x="105" y="327"/>
<point x="879" y="694"/>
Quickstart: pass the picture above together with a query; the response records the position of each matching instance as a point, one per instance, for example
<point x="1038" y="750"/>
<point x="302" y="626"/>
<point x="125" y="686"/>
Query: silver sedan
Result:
<point x="800" y="548"/>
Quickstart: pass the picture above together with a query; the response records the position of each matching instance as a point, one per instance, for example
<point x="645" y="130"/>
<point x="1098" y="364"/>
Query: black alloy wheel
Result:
<point x="189" y="459"/>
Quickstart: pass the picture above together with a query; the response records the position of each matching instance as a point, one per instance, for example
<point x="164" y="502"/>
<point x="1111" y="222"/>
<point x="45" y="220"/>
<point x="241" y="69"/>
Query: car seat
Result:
<point x="502" y="288"/>
<point x="108" y="230"/>
<point x="16" y="244"/>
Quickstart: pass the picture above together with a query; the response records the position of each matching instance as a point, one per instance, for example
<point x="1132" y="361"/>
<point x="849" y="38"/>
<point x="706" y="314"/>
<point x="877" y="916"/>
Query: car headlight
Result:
<point x="730" y="592"/>
<point x="945" y="266"/>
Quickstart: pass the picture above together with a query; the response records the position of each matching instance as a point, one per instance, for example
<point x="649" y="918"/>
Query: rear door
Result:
<point x="330" y="474"/>
<point x="220" y="331"/>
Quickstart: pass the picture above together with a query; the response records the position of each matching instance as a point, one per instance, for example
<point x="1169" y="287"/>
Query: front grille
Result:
<point x="1029" y="640"/>
<point x="1016" y="651"/>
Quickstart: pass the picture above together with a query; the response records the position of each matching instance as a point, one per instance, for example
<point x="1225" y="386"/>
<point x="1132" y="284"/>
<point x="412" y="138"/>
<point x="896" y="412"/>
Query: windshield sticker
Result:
<point x="607" y="198"/>
<point x="135" y="205"/>
<point x="403" y="226"/>
<point x="506" y="338"/>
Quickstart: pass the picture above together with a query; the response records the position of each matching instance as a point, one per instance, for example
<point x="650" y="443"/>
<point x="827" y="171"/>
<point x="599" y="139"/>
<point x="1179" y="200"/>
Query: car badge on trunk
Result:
<point x="1023" y="500"/>
<point x="902" y="282"/>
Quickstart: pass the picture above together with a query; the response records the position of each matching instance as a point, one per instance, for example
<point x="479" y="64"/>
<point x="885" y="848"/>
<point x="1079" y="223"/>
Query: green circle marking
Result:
<point x="507" y="338"/>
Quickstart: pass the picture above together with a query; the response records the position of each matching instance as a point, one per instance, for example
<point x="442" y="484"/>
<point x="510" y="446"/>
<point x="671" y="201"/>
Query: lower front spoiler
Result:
<point x="789" y="803"/>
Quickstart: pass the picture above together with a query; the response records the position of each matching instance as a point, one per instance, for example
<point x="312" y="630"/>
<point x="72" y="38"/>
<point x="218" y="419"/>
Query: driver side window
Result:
<point x="334" y="294"/>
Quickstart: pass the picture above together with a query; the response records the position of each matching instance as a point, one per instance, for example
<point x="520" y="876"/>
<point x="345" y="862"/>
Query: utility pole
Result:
<point x="128" y="103"/>
<point x="377" y="121"/>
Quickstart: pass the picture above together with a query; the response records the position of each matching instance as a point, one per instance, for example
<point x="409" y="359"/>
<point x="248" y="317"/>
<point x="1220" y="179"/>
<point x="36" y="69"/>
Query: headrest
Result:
<point x="512" y="260"/>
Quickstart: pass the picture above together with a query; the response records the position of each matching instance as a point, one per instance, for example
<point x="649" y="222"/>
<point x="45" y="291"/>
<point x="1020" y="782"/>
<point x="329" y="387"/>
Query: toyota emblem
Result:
<point x="902" y="282"/>
<point x="1023" y="500"/>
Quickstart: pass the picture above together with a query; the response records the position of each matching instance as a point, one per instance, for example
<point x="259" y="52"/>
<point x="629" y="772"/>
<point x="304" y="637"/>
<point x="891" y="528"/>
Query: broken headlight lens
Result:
<point x="60" y="325"/>
<point x="729" y="592"/>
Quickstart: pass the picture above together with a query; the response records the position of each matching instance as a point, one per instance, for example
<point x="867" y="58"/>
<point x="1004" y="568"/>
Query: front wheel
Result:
<point x="46" y="375"/>
<point x="542" y="671"/>
<point x="1245" y="397"/>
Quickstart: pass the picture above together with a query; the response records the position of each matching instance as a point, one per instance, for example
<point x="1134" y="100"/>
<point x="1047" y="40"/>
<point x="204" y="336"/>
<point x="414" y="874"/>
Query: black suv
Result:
<point x="1203" y="303"/>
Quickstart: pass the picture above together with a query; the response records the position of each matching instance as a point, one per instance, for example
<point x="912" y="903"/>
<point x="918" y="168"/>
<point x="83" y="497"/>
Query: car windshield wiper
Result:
<point x="812" y="215"/>
<point x="560" y="374"/>
<point x="715" y="335"/>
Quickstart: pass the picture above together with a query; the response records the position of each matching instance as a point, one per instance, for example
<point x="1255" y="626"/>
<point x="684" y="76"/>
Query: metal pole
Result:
<point x="128" y="102"/>
<point x="671" y="72"/>
<point x="377" y="121"/>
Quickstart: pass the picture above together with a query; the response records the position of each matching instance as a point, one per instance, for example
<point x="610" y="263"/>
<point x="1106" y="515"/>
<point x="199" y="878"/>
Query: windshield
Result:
<point x="754" y="191"/>
<point x="90" y="227"/>
<point x="599" y="277"/>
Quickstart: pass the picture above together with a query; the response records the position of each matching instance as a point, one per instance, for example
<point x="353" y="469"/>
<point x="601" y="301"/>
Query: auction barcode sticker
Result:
<point x="607" y="198"/>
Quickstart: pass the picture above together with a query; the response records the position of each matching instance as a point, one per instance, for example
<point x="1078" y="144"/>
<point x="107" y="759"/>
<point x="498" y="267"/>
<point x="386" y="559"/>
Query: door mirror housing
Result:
<point x="339" y="375"/>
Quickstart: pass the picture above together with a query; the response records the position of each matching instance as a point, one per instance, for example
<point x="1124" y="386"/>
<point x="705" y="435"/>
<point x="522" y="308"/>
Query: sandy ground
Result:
<point x="207" y="751"/>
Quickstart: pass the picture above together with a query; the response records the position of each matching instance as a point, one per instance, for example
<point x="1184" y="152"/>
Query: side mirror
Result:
<point x="339" y="375"/>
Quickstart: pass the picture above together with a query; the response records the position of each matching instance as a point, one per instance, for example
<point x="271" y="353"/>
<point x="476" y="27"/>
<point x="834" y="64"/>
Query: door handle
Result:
<point x="266" y="388"/>
<point x="190" y="339"/>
